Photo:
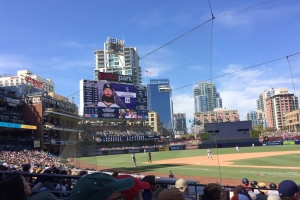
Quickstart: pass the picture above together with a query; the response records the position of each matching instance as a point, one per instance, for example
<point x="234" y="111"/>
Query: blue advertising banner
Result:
<point x="134" y="150"/>
<point x="271" y="143"/>
<point x="96" y="153"/>
<point x="10" y="125"/>
<point x="112" y="152"/>
<point x="151" y="149"/>
<point x="297" y="142"/>
<point x="177" y="147"/>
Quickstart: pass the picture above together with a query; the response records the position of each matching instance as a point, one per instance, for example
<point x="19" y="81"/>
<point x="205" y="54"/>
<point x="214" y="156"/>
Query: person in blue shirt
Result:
<point x="147" y="194"/>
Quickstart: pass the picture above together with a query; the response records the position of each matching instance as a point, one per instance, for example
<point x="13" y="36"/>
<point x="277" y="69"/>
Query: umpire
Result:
<point x="149" y="157"/>
<point x="133" y="160"/>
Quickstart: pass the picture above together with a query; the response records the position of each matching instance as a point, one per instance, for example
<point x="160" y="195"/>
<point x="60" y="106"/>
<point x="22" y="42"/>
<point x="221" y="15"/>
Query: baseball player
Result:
<point x="149" y="157"/>
<point x="237" y="149"/>
<point x="209" y="156"/>
<point x="252" y="145"/>
<point x="133" y="160"/>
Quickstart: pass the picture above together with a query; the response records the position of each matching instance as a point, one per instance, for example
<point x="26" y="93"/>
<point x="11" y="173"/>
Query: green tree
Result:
<point x="204" y="136"/>
<point x="284" y="128"/>
<point x="259" y="128"/>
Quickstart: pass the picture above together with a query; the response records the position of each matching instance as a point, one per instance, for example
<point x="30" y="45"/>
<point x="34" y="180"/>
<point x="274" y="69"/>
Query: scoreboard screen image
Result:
<point x="114" y="100"/>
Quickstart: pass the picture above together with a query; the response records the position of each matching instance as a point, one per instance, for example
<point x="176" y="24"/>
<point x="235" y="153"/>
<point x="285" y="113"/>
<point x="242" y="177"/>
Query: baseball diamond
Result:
<point x="268" y="164"/>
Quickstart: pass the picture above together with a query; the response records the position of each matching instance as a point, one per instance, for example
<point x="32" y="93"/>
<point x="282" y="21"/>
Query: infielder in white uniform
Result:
<point x="237" y="149"/>
<point x="209" y="156"/>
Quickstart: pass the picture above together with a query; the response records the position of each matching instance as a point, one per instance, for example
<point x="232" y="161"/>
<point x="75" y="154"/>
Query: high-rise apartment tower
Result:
<point x="123" y="60"/>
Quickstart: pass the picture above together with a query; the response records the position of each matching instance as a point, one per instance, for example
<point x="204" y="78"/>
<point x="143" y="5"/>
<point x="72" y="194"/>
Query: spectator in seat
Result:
<point x="212" y="191"/>
<point x="263" y="191"/>
<point x="274" y="191"/>
<point x="14" y="187"/>
<point x="273" y="197"/>
<point x="156" y="193"/>
<point x="182" y="185"/>
<point x="240" y="193"/>
<point x="253" y="185"/>
<point x="26" y="168"/>
<point x="245" y="183"/>
<point x="135" y="192"/>
<point x="43" y="196"/>
<point x="252" y="195"/>
<point x="170" y="194"/>
<point x="100" y="186"/>
<point x="147" y="193"/>
<point x="288" y="190"/>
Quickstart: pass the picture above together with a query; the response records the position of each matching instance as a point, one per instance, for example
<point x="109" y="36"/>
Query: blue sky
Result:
<point x="56" y="39"/>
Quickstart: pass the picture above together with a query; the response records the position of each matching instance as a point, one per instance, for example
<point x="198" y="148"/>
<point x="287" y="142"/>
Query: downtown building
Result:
<point x="160" y="100"/>
<point x="261" y="109"/>
<point x="26" y="83"/>
<point x="118" y="59"/>
<point x="256" y="118"/>
<point x="278" y="105"/>
<point x="208" y="105"/>
<point x="206" y="97"/>
<point x="30" y="103"/>
<point x="217" y="115"/>
<point x="180" y="123"/>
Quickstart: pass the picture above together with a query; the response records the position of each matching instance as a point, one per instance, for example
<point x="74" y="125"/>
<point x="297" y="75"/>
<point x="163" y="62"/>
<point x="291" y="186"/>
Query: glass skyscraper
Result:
<point x="160" y="100"/>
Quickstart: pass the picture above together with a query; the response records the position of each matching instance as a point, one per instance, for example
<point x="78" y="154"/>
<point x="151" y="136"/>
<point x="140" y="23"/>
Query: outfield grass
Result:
<point x="123" y="162"/>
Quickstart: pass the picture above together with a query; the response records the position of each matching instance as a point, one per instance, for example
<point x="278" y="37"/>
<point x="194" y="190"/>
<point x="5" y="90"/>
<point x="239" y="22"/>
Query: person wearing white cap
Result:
<point x="182" y="185"/>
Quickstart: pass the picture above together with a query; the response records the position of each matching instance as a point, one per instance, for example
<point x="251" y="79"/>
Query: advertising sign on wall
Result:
<point x="114" y="77"/>
<point x="12" y="125"/>
<point x="289" y="143"/>
<point x="163" y="148"/>
<point x="112" y="152"/>
<point x="134" y="150"/>
<point x="36" y="144"/>
<point x="271" y="143"/>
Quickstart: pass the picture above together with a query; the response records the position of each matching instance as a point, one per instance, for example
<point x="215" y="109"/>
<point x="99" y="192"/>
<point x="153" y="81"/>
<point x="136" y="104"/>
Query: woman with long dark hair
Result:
<point x="14" y="186"/>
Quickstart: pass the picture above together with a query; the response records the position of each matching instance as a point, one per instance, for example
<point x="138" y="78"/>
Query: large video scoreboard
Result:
<point x="113" y="100"/>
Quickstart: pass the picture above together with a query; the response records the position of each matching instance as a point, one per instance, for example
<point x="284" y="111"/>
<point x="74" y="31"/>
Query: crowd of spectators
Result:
<point x="116" y="132"/>
<point x="186" y="142"/>
<point x="280" y="133"/>
<point x="36" y="159"/>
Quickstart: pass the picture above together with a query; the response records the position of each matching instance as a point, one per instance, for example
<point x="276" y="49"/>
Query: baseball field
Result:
<point x="265" y="163"/>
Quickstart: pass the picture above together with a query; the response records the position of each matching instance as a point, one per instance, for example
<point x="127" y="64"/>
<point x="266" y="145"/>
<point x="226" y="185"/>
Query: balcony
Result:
<point x="62" y="142"/>
<point x="58" y="127"/>
<point x="61" y="112"/>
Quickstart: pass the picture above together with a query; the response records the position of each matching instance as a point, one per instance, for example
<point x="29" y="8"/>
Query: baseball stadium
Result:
<point x="121" y="140"/>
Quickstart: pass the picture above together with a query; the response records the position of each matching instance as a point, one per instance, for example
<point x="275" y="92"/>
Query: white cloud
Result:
<point x="240" y="90"/>
<point x="184" y="103"/>
<point x="247" y="18"/>
<point x="11" y="63"/>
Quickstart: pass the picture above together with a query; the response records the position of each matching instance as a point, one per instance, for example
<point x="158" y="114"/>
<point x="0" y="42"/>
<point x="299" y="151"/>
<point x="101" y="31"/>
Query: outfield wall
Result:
<point x="204" y="145"/>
